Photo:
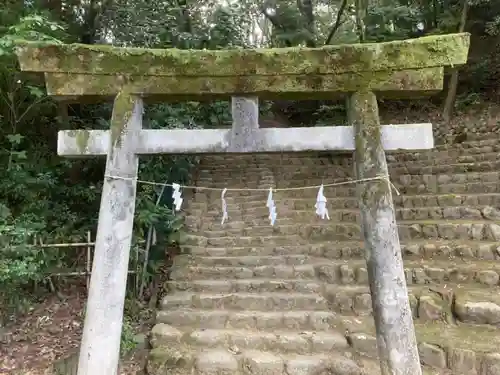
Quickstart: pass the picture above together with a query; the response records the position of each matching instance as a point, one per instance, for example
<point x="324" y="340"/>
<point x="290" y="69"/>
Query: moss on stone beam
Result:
<point x="153" y="99"/>
<point x="267" y="87"/>
<point x="426" y="52"/>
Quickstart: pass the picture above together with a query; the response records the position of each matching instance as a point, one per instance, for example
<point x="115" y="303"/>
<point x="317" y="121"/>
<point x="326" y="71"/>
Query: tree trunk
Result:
<point x="361" y="7"/>
<point x="306" y="8"/>
<point x="338" y="22"/>
<point x="453" y="83"/>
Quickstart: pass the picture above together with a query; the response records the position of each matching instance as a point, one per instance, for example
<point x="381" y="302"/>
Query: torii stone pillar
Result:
<point x="106" y="295"/>
<point x="396" y="341"/>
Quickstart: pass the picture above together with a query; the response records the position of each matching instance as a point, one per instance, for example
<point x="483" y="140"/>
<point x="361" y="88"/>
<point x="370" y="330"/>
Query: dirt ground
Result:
<point x="51" y="330"/>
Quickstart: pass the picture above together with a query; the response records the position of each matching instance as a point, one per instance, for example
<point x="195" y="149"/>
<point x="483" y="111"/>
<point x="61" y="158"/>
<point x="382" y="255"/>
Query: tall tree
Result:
<point x="449" y="102"/>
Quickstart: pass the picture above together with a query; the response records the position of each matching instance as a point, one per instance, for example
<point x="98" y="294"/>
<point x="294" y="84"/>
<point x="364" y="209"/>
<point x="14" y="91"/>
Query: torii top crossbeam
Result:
<point x="413" y="66"/>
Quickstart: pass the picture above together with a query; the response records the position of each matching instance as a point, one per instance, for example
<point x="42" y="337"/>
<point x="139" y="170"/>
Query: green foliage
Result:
<point x="465" y="101"/>
<point x="290" y="27"/>
<point x="385" y="23"/>
<point x="21" y="260"/>
<point x="128" y="342"/>
<point x="24" y="211"/>
<point x="227" y="27"/>
<point x="33" y="28"/>
<point x="40" y="195"/>
<point x="493" y="27"/>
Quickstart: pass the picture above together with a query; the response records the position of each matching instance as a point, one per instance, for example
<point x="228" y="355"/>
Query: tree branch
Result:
<point x="451" y="95"/>
<point x="306" y="9"/>
<point x="273" y="20"/>
<point x="337" y="22"/>
<point x="361" y="7"/>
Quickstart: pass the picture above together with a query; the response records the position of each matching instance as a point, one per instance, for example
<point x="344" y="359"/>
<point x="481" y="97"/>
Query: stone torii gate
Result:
<point x="360" y="73"/>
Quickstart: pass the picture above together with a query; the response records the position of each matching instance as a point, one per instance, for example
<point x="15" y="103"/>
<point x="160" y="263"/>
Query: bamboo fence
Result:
<point x="88" y="246"/>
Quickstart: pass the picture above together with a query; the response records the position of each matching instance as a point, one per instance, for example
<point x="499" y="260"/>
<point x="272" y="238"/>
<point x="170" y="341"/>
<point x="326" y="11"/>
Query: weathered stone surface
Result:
<point x="351" y="231"/>
<point x="341" y="366"/>
<point x="262" y="363"/>
<point x="490" y="364"/>
<point x="432" y="355"/>
<point x="174" y="88"/>
<point x="491" y="213"/>
<point x="429" y="309"/>
<point x="493" y="232"/>
<point x="100" y="345"/>
<point x="322" y="365"/>
<point x="216" y="362"/>
<point x="437" y="50"/>
<point x="462" y="361"/>
<point x="169" y="359"/>
<point x="474" y="309"/>
<point x="152" y="142"/>
<point x="304" y="365"/>
<point x="364" y="344"/>
<point x="164" y="334"/>
<point x="488" y="277"/>
<point x="395" y="330"/>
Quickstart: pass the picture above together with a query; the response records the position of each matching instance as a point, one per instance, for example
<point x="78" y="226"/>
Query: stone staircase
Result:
<point x="293" y="299"/>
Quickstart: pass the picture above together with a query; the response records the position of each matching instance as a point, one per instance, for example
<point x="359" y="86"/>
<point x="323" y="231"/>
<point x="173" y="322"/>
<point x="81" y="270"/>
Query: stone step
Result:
<point x="348" y="190"/>
<point x="181" y="360"/>
<point x="253" y="320"/>
<point x="448" y="156"/>
<point x="446" y="167"/>
<point x="443" y="349"/>
<point x="435" y="166"/>
<point x="358" y="331"/>
<point x="337" y="231"/>
<point x="267" y="286"/>
<point x="242" y="339"/>
<point x="346" y="272"/>
<point x="400" y="180"/>
<point x="245" y="301"/>
<point x="472" y="148"/>
<point x="250" y="260"/>
<point x="344" y="168"/>
<point x="204" y="222"/>
<point x="435" y="159"/>
<point x="491" y="141"/>
<point x="429" y="303"/>
<point x="304" y="286"/>
<point x="432" y="249"/>
<point x="315" y="158"/>
<point x="465" y="349"/>
<point x="213" y="202"/>
<point x="282" y="199"/>
<point x="201" y="241"/>
<point x="455" y="156"/>
<point x="404" y="178"/>
<point x="432" y="165"/>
